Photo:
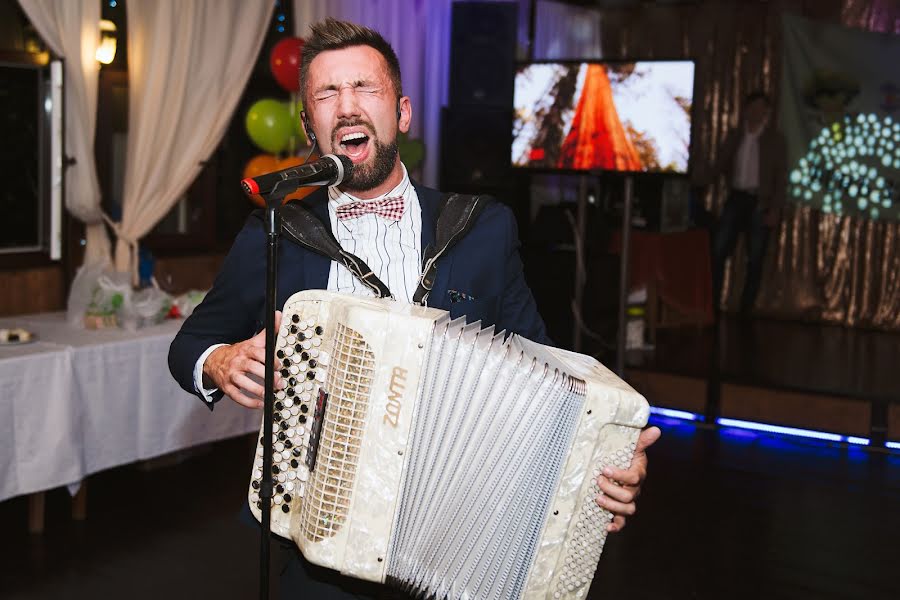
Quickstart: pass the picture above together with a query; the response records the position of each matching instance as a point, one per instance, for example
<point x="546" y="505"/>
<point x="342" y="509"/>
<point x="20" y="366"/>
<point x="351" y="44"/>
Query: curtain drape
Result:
<point x="71" y="28"/>
<point x="825" y="267"/>
<point x="564" y="31"/>
<point x="188" y="65"/>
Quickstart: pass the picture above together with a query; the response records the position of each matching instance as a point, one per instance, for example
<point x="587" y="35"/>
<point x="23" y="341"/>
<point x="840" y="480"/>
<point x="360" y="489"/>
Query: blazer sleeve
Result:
<point x="518" y="311"/>
<point x="229" y="312"/>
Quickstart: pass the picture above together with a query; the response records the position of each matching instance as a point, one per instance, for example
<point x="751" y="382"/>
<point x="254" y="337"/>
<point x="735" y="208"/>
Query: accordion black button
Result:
<point x="295" y="318"/>
<point x="319" y="330"/>
<point x="312" y="363"/>
<point x="292" y="381"/>
<point x="285" y="508"/>
<point x="280" y="354"/>
<point x="301" y="336"/>
<point x="310" y="375"/>
<point x="304" y="408"/>
<point x="276" y="417"/>
<point x="288" y="444"/>
<point x="302" y="418"/>
<point x="279" y="488"/>
<point x="293" y="329"/>
<point x="284" y="425"/>
<point x="285" y="373"/>
<point x="254" y="484"/>
<point x="259" y="504"/>
<point x="298" y="348"/>
<point x="279" y="406"/>
<point x="304" y="356"/>
<point x="282" y="435"/>
<point x="286" y="363"/>
<point x="297" y="451"/>
<point x="275" y="469"/>
<point x="287" y="498"/>
<point x="294" y="463"/>
<point x="290" y="391"/>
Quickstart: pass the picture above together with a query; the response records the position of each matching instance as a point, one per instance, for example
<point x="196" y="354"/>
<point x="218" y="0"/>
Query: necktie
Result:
<point x="386" y="208"/>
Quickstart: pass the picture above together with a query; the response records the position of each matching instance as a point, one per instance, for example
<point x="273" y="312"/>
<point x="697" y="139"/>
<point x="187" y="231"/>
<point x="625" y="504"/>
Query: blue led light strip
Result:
<point x="767" y="428"/>
<point x="675" y="414"/>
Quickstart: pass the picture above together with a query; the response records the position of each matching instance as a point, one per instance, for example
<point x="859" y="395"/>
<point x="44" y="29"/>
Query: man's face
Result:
<point x="352" y="107"/>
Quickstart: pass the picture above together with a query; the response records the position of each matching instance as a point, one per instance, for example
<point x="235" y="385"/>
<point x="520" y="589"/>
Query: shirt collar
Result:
<point x="337" y="197"/>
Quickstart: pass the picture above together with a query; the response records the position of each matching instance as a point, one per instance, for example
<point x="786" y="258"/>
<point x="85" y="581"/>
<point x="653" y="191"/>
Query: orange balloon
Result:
<point x="260" y="165"/>
<point x="293" y="161"/>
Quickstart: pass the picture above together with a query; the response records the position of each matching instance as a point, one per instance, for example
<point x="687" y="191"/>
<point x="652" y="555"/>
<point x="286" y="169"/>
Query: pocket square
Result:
<point x="456" y="296"/>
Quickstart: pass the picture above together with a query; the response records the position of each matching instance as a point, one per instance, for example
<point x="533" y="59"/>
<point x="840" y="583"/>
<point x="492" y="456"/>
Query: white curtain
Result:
<point x="71" y="28"/>
<point x="188" y="63"/>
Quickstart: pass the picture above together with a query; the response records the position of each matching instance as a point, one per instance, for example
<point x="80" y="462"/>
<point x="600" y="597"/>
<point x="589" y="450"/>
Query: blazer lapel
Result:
<point x="429" y="200"/>
<point x="315" y="266"/>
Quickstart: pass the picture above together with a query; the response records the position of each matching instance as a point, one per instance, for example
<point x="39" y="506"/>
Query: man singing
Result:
<point x="352" y="91"/>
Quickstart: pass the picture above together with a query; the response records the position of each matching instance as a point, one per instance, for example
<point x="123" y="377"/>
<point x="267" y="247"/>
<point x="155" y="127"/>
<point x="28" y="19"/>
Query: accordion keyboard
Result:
<point x="303" y="364"/>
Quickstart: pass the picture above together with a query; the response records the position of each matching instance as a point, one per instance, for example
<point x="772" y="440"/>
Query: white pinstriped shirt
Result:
<point x="392" y="249"/>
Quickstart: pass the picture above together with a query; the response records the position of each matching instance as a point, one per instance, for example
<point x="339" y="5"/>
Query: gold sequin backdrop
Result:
<point x="819" y="267"/>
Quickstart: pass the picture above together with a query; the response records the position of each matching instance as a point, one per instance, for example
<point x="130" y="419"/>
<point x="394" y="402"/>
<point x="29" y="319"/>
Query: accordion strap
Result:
<point x="304" y="228"/>
<point x="457" y="214"/>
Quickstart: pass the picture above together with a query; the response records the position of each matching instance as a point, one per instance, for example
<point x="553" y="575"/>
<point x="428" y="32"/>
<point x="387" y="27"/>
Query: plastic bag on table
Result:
<point x="145" y="307"/>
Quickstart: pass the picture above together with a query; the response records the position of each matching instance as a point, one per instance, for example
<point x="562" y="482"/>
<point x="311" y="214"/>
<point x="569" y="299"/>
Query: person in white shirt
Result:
<point x="752" y="160"/>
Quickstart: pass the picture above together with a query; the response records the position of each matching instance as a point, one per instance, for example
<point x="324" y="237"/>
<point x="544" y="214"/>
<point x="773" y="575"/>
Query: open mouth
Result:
<point x="355" y="144"/>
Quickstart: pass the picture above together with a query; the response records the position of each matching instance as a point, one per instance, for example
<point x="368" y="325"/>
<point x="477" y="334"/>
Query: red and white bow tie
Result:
<point x="386" y="208"/>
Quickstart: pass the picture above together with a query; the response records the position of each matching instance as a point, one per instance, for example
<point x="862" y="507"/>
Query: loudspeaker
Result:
<point x="482" y="53"/>
<point x="475" y="148"/>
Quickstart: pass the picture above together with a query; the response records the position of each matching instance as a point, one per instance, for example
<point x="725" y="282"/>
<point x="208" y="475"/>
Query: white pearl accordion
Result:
<point x="442" y="458"/>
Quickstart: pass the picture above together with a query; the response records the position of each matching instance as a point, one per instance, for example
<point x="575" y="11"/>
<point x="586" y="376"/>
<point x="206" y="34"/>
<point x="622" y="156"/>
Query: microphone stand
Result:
<point x="273" y="201"/>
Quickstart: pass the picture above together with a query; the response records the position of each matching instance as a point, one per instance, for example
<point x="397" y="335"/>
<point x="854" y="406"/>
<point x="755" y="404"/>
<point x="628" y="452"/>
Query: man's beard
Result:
<point x="364" y="177"/>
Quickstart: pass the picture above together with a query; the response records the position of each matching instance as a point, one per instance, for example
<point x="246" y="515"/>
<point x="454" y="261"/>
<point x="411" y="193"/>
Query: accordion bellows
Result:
<point x="445" y="459"/>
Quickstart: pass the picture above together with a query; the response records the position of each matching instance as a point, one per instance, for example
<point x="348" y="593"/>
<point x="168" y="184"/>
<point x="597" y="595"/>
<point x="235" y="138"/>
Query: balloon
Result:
<point x="412" y="152"/>
<point x="260" y="165"/>
<point x="269" y="125"/>
<point x="295" y="107"/>
<point x="293" y="161"/>
<point x="284" y="62"/>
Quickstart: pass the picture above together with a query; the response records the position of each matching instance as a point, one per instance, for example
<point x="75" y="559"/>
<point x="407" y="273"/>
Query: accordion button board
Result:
<point x="442" y="458"/>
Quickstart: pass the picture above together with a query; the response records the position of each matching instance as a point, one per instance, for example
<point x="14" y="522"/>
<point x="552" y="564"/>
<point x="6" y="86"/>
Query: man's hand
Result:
<point x="620" y="487"/>
<point x="229" y="368"/>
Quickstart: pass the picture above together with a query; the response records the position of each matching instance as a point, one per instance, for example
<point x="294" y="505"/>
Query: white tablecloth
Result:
<point x="76" y="402"/>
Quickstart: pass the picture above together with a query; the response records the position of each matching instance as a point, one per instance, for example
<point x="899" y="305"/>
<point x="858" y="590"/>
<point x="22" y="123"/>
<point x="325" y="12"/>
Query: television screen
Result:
<point x="615" y="116"/>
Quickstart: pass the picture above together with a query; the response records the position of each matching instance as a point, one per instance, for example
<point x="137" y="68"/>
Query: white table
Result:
<point x="76" y="402"/>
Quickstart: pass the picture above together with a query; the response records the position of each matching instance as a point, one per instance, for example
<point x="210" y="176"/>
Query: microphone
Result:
<point x="328" y="170"/>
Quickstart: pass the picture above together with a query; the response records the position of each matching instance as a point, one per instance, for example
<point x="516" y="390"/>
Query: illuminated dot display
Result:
<point x="851" y="166"/>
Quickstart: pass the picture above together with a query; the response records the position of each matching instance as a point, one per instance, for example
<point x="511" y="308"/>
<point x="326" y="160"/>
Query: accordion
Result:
<point x="442" y="458"/>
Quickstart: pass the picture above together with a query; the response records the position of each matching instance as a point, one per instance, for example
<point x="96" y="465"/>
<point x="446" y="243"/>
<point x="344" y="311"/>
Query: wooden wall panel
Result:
<point x="178" y="274"/>
<point x="808" y="411"/>
<point x="669" y="391"/>
<point x="33" y="290"/>
<point x="894" y="422"/>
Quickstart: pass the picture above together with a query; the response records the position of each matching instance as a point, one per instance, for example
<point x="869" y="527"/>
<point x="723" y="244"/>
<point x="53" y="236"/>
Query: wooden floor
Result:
<point x="725" y="514"/>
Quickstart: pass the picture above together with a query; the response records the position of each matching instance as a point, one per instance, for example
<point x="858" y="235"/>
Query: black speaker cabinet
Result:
<point x="482" y="53"/>
<point x="475" y="147"/>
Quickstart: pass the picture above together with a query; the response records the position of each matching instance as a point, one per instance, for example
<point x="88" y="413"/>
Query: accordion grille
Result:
<point x="348" y="385"/>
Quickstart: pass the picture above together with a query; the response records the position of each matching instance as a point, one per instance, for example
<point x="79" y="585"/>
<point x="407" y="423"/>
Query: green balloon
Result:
<point x="295" y="111"/>
<point x="269" y="125"/>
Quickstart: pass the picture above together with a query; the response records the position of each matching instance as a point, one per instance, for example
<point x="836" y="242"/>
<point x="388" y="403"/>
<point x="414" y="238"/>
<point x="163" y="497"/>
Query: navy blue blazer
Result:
<point x="484" y="268"/>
